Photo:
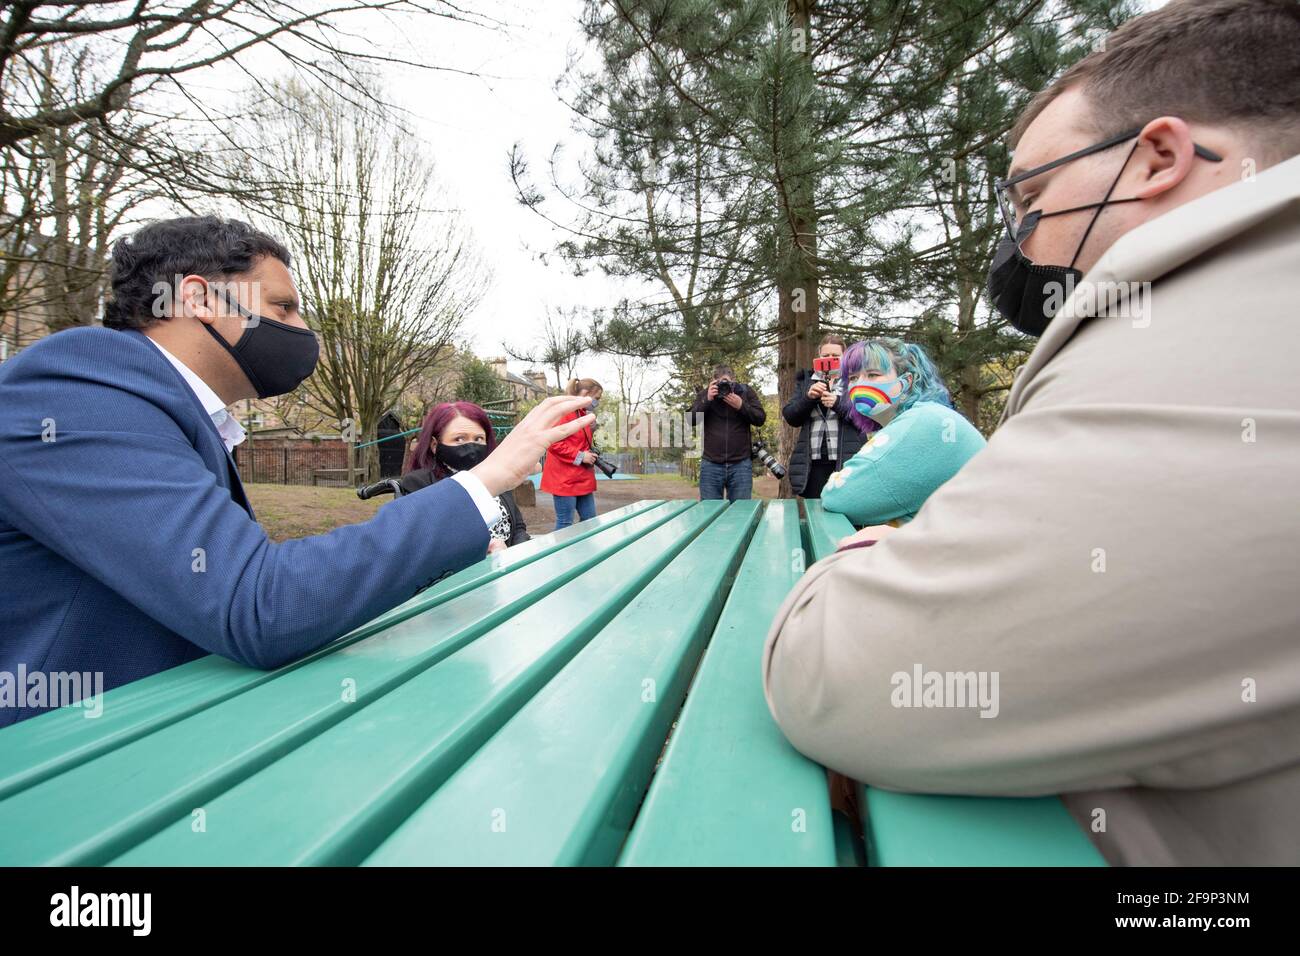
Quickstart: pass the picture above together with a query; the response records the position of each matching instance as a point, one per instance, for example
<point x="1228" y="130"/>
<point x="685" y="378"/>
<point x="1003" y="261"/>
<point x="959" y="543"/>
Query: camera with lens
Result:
<point x="765" y="458"/>
<point x="827" y="370"/>
<point x="729" y="388"/>
<point x="604" y="464"/>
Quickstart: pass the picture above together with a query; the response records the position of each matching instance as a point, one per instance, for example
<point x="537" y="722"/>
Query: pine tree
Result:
<point x="784" y="169"/>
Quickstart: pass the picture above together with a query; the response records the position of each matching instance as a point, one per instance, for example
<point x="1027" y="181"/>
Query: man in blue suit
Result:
<point x="127" y="544"/>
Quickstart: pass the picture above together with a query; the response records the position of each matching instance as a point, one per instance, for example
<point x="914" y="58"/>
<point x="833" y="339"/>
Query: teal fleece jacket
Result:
<point x="902" y="464"/>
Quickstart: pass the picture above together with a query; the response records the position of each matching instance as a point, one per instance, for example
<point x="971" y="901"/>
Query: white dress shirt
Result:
<point x="488" y="506"/>
<point x="232" y="433"/>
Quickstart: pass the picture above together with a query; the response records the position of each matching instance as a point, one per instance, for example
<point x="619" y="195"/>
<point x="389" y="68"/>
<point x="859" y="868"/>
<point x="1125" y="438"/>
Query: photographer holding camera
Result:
<point x="730" y="410"/>
<point x="826" y="436"/>
<point x="568" y="474"/>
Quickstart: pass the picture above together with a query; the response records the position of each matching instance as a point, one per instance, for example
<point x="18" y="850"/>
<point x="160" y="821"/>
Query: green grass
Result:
<point x="299" y="511"/>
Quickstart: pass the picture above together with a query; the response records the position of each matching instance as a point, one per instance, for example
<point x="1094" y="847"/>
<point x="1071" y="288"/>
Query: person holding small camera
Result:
<point x="827" y="437"/>
<point x="730" y="410"/>
<point x="569" y="472"/>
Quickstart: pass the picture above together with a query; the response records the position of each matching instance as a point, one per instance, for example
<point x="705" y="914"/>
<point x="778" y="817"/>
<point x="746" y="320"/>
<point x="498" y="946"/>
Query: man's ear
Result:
<point x="1164" y="156"/>
<point x="194" y="299"/>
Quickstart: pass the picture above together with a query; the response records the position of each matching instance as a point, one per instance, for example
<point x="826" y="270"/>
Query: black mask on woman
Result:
<point x="276" y="357"/>
<point x="460" y="457"/>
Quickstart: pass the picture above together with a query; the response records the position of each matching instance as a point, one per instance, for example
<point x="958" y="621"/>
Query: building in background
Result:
<point x="524" y="389"/>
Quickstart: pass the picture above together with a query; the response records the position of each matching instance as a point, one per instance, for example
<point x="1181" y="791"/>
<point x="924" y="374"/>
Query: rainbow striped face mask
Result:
<point x="873" y="398"/>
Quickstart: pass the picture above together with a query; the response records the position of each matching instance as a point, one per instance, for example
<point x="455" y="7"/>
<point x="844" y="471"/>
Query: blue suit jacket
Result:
<point x="112" y="478"/>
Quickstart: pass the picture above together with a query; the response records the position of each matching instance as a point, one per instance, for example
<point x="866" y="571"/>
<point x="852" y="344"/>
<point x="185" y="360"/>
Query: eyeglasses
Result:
<point x="1004" y="189"/>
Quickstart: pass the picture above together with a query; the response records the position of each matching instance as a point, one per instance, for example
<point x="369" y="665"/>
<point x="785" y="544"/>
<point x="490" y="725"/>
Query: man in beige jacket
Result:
<point x="1120" y="568"/>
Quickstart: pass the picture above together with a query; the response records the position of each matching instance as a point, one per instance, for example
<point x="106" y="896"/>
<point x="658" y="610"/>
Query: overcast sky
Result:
<point x="469" y="124"/>
<point x="496" y="87"/>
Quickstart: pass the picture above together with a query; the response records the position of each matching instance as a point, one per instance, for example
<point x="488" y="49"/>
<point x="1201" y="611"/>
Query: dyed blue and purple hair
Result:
<point x="904" y="358"/>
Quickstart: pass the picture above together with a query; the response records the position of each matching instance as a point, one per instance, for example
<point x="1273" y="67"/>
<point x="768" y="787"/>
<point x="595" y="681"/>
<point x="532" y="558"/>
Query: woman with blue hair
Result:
<point x="916" y="439"/>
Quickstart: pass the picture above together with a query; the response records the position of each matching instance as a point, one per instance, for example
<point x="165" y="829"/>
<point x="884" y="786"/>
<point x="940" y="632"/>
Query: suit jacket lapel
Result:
<point x="236" y="486"/>
<point x="237" y="493"/>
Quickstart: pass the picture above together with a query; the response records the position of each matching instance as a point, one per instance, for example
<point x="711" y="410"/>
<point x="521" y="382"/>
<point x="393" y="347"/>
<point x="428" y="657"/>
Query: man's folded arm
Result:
<point x="1092" y="627"/>
<point x="141" y="513"/>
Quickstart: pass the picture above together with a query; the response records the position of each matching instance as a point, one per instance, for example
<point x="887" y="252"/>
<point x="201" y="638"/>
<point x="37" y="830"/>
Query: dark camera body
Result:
<point x="727" y="388"/>
<point x="604" y="464"/>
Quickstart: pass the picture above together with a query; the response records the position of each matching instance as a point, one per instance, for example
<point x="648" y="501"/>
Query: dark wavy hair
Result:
<point x="435" y="423"/>
<point x="191" y="245"/>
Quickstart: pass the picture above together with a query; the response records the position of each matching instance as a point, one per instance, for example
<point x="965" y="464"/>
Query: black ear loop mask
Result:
<point x="1022" y="290"/>
<point x="276" y="357"/>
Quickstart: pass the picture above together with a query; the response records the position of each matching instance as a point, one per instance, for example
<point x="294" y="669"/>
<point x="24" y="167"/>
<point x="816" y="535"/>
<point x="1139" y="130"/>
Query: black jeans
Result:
<point x="819" y="469"/>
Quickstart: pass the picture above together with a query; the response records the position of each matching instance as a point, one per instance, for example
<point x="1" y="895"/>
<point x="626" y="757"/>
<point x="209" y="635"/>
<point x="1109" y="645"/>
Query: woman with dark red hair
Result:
<point x="456" y="436"/>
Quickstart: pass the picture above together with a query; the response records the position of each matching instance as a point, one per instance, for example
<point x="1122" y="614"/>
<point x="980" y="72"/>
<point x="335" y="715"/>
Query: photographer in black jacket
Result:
<point x="730" y="410"/>
<point x="827" y="438"/>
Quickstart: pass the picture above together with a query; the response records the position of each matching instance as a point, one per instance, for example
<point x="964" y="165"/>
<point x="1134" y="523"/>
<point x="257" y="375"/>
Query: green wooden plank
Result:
<point x="152" y="781"/>
<point x="503" y="562"/>
<point x="731" y="790"/>
<point x="337" y="796"/>
<point x="824" y="531"/>
<point x="51" y="743"/>
<point x="825" y="528"/>
<point x="559" y="785"/>
<point x="914" y="829"/>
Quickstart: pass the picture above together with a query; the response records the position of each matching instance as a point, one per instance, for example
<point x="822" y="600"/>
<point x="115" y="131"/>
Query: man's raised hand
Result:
<point x="516" y="457"/>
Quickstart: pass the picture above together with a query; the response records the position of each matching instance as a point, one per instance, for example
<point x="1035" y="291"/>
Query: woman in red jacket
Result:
<point x="569" y="472"/>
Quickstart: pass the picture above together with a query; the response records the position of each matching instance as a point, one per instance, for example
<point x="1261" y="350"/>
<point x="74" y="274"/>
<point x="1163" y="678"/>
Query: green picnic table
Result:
<point x="591" y="697"/>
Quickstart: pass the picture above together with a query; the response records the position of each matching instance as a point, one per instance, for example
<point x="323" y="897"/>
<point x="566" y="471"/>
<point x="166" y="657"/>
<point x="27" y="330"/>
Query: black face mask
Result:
<point x="276" y="357"/>
<point x="1028" y="294"/>
<point x="460" y="457"/>
<point x="1022" y="290"/>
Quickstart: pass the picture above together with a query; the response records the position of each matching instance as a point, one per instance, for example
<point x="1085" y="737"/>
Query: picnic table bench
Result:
<point x="590" y="697"/>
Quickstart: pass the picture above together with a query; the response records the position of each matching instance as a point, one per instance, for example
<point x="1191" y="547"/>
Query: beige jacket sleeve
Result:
<point x="1124" y="556"/>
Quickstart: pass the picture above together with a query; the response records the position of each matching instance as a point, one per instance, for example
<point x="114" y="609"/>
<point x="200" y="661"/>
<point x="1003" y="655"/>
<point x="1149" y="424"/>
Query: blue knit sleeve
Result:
<point x="901" y="465"/>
